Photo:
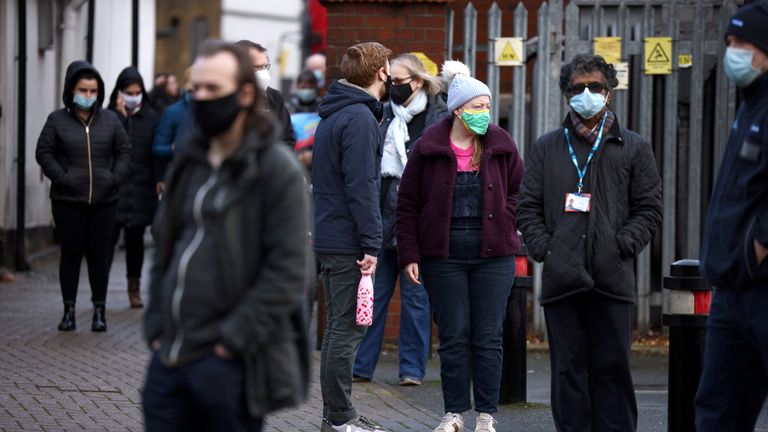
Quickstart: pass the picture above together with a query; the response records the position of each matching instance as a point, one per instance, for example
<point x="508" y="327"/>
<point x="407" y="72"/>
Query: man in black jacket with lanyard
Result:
<point x="734" y="252"/>
<point x="590" y="202"/>
<point x="275" y="102"/>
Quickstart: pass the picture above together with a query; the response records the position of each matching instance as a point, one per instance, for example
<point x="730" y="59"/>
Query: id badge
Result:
<point x="578" y="203"/>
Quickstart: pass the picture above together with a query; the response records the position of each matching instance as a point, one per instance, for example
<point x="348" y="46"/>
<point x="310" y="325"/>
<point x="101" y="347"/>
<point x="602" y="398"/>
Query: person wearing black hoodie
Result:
<point x="137" y="203"/>
<point x="734" y="252"/>
<point x="85" y="152"/>
<point x="346" y="178"/>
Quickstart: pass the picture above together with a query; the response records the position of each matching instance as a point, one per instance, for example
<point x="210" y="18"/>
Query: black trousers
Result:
<point x="590" y="337"/>
<point x="134" y="248"/>
<point x="84" y="230"/>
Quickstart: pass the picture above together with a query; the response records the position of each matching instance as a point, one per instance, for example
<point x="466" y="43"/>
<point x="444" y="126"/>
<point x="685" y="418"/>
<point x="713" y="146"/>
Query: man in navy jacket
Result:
<point x="734" y="384"/>
<point x="347" y="235"/>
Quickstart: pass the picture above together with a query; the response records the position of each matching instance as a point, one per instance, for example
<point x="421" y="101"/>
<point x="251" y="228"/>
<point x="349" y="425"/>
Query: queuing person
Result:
<point x="734" y="252"/>
<point x="589" y="204"/>
<point x="304" y="107"/>
<point x="347" y="229"/>
<point x="225" y="317"/>
<point x="415" y="106"/>
<point x="316" y="63"/>
<point x="137" y="202"/>
<point x="306" y="98"/>
<point x="164" y="93"/>
<point x="85" y="152"/>
<point x="274" y="99"/>
<point x="456" y="230"/>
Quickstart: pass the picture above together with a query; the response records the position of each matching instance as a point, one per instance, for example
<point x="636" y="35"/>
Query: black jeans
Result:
<point x="84" y="230"/>
<point x="207" y="394"/>
<point x="590" y="336"/>
<point x="134" y="248"/>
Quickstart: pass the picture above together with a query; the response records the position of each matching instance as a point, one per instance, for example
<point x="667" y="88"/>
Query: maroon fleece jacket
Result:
<point x="425" y="197"/>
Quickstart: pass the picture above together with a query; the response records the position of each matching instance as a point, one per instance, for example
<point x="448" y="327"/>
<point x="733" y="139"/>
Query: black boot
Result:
<point x="99" y="320"/>
<point x="68" y="320"/>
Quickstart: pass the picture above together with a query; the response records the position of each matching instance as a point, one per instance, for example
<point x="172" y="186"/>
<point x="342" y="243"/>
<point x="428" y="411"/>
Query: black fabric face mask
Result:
<point x="401" y="93"/>
<point x="387" y="89"/>
<point x="216" y="115"/>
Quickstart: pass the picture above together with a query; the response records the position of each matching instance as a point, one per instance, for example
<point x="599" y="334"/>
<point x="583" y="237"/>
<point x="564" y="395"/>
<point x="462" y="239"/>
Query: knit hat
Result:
<point x="750" y="22"/>
<point x="461" y="86"/>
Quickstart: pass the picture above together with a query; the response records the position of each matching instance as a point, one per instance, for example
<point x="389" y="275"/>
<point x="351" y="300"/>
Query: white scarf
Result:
<point x="394" y="157"/>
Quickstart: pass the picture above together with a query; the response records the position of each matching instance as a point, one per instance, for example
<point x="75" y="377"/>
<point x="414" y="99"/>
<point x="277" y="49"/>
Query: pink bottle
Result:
<point x="365" y="301"/>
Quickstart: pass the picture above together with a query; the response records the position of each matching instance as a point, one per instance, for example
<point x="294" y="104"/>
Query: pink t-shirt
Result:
<point x="463" y="157"/>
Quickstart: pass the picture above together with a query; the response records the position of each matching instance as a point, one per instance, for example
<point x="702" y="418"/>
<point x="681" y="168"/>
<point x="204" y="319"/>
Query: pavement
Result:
<point x="84" y="381"/>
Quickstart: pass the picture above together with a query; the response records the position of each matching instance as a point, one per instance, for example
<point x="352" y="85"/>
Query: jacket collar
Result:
<point x="436" y="139"/>
<point x="757" y="92"/>
<point x="614" y="133"/>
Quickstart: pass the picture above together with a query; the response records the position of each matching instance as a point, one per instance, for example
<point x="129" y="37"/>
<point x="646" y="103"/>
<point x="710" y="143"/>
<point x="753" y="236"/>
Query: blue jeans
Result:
<point x="469" y="298"/>
<point x="414" y="321"/>
<point x="734" y="383"/>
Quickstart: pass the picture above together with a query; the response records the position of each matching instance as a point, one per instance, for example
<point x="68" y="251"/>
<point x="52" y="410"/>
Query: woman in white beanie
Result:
<point x="456" y="229"/>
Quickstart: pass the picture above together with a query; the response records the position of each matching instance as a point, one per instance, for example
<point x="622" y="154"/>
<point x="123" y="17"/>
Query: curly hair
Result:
<point x="584" y="64"/>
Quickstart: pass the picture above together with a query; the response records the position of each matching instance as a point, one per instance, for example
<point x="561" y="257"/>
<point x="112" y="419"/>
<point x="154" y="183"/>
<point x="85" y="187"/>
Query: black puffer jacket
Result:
<point x="138" y="200"/>
<point x="85" y="161"/>
<point x="595" y="250"/>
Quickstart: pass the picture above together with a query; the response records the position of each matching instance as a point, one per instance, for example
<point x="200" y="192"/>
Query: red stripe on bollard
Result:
<point x="701" y="302"/>
<point x="521" y="266"/>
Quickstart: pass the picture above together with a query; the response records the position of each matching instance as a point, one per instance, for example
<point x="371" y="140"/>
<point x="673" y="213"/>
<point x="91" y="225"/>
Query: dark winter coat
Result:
<point x="138" y="199"/>
<point x="259" y="222"/>
<point x="738" y="212"/>
<point x="276" y="105"/>
<point x="435" y="111"/>
<point x="346" y="172"/>
<point x="176" y="121"/>
<point x="595" y="250"/>
<point x="425" y="199"/>
<point x="295" y="105"/>
<point x="86" y="162"/>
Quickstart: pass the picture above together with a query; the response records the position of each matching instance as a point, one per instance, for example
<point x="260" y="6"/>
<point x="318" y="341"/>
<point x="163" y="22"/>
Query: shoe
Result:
<point x="68" y="320"/>
<point x="360" y="424"/>
<point x="134" y="292"/>
<point x="360" y="379"/>
<point x="99" y="320"/>
<point x="485" y="423"/>
<point x="451" y="423"/>
<point x="410" y="382"/>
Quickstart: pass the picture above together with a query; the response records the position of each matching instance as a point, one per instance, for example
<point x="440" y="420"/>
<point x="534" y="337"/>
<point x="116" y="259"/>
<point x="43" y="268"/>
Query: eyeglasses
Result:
<point x="262" y="67"/>
<point x="406" y="80"/>
<point x="594" y="87"/>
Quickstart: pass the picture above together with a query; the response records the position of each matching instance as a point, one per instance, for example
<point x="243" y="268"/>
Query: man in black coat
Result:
<point x="275" y="102"/>
<point x="225" y="319"/>
<point x="590" y="202"/>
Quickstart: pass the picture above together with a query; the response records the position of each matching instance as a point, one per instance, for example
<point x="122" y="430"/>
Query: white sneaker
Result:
<point x="451" y="423"/>
<point x="485" y="423"/>
<point x="360" y="424"/>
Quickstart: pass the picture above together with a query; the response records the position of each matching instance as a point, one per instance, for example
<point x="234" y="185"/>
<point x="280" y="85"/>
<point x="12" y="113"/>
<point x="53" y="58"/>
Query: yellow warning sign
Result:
<point x="429" y="65"/>
<point x="608" y="48"/>
<point x="684" y="61"/>
<point x="508" y="51"/>
<point x="658" y="56"/>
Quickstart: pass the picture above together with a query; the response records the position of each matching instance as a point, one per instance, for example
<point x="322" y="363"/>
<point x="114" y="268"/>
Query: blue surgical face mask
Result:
<point x="319" y="76"/>
<point x="587" y="104"/>
<point x="84" y="103"/>
<point x="738" y="66"/>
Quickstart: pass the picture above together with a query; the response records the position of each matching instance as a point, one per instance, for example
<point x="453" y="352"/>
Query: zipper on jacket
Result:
<point x="90" y="162"/>
<point x="747" y="245"/>
<point x="181" y="275"/>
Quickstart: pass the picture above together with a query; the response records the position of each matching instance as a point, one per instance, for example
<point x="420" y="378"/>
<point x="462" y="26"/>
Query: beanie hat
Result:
<point x="461" y="86"/>
<point x="750" y="22"/>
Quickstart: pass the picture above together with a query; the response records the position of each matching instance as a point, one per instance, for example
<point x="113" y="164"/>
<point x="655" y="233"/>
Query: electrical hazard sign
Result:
<point x="658" y="56"/>
<point x="508" y="51"/>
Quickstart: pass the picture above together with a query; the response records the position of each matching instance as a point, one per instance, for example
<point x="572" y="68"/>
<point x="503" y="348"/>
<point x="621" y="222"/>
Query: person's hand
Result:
<point x="367" y="265"/>
<point x="412" y="271"/>
<point x="761" y="252"/>
<point x="160" y="189"/>
<point x="155" y="344"/>
<point x="121" y="105"/>
<point x="221" y="351"/>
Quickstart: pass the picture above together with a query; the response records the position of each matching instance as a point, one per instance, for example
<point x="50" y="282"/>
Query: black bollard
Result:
<point x="514" y="366"/>
<point x="689" y="301"/>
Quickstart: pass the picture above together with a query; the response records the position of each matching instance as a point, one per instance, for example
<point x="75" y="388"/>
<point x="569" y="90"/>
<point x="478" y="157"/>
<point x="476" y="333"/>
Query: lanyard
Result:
<point x="583" y="172"/>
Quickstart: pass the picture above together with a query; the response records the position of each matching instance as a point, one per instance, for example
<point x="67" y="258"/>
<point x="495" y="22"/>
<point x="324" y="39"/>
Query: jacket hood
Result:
<point x="74" y="71"/>
<point x="435" y="140"/>
<point x="342" y="94"/>
<point x="127" y="77"/>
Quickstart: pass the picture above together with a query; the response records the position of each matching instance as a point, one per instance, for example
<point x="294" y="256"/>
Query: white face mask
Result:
<point x="263" y="78"/>
<point x="131" y="102"/>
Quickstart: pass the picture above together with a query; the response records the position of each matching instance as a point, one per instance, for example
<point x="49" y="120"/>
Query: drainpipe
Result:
<point x="21" y="160"/>
<point x="135" y="35"/>
<point x="89" y="36"/>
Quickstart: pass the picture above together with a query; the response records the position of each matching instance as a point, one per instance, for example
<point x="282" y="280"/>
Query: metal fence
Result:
<point x="685" y="114"/>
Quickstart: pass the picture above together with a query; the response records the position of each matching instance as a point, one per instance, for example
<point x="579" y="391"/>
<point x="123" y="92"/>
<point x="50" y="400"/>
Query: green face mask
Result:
<point x="476" y="121"/>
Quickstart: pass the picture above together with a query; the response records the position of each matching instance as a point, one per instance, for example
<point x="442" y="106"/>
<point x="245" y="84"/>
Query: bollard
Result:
<point x="514" y="367"/>
<point x="689" y="302"/>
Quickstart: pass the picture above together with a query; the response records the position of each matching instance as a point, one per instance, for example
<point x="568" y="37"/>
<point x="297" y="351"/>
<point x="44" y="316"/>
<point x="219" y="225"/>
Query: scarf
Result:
<point x="590" y="135"/>
<point x="394" y="157"/>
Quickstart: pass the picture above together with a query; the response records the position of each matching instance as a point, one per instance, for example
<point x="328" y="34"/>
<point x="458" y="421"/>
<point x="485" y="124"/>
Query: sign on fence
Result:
<point x="684" y="61"/>
<point x="622" y="74"/>
<point x="429" y="65"/>
<point x="658" y="55"/>
<point x="609" y="48"/>
<point x="509" y="51"/>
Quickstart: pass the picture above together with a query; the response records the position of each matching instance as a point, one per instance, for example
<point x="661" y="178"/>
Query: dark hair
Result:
<point x="307" y="75"/>
<point x="257" y="118"/>
<point x="245" y="43"/>
<point x="362" y="62"/>
<point x="584" y="64"/>
<point x="86" y="75"/>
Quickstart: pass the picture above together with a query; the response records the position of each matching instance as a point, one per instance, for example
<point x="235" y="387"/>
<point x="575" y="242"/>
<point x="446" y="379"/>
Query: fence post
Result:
<point x="517" y="119"/>
<point x="470" y="36"/>
<point x="494" y="31"/>
<point x="725" y="96"/>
